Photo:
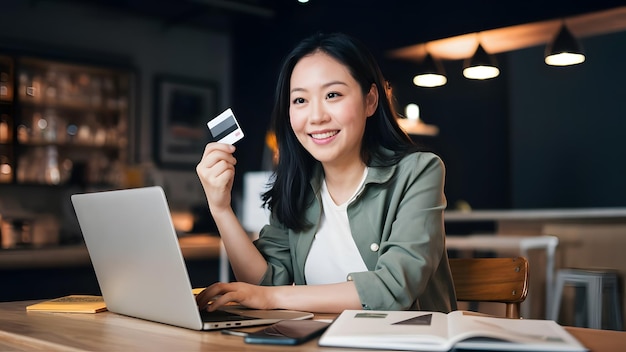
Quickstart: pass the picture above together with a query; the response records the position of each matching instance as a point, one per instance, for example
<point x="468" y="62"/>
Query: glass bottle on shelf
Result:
<point x="50" y="90"/>
<point x="32" y="166"/>
<point x="52" y="172"/>
<point x="71" y="130"/>
<point x="5" y="82"/>
<point x="24" y="133"/>
<point x="66" y="167"/>
<point x="22" y="173"/>
<point x="6" y="169"/>
<point x="39" y="124"/>
<point x="84" y="89"/>
<point x="5" y="129"/>
<point x="87" y="130"/>
<point x="24" y="83"/>
<point x="49" y="126"/>
<point x="96" y="91"/>
<point x="34" y="90"/>
<point x="6" y="165"/>
<point x="64" y="85"/>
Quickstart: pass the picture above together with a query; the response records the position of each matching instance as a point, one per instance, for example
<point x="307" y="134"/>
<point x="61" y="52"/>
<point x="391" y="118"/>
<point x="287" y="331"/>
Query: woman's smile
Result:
<point x="323" y="137"/>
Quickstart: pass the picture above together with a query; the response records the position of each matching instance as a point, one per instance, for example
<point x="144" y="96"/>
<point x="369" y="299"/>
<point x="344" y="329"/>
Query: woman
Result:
<point x="357" y="211"/>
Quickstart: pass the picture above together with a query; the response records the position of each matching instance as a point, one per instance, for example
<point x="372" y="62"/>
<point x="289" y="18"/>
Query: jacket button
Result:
<point x="374" y="247"/>
<point x="349" y="278"/>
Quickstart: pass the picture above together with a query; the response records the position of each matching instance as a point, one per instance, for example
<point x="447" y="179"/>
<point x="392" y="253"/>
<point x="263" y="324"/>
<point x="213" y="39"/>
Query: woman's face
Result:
<point x="327" y="109"/>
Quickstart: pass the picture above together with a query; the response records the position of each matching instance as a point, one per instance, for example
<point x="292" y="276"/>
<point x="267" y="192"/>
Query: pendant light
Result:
<point x="431" y="73"/>
<point x="564" y="50"/>
<point x="412" y="124"/>
<point x="481" y="65"/>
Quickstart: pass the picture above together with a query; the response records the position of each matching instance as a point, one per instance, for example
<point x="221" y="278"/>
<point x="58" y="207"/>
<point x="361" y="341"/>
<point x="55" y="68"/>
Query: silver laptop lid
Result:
<point x="136" y="256"/>
<point x="139" y="265"/>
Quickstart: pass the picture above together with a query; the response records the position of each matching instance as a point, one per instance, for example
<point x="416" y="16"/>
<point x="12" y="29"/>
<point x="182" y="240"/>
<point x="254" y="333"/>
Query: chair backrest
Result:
<point x="503" y="280"/>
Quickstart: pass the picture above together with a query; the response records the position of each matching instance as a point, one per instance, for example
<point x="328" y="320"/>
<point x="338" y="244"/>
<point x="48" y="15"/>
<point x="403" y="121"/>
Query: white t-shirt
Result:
<point x="333" y="254"/>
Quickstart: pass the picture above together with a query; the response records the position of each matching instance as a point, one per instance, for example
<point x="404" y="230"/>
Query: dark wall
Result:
<point x="534" y="137"/>
<point x="473" y="131"/>
<point x="471" y="115"/>
<point x="568" y="143"/>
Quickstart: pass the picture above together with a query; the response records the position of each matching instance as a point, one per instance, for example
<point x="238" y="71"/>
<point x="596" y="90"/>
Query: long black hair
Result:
<point x="287" y="197"/>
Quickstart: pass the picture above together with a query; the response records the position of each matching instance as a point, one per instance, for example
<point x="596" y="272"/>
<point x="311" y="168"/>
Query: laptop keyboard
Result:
<point x="220" y="315"/>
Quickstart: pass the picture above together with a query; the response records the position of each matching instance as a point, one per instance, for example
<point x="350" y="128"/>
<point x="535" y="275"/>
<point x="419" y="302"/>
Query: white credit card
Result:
<point x="224" y="128"/>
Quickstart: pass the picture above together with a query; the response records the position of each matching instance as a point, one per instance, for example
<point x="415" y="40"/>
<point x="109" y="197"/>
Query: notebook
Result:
<point x="139" y="265"/>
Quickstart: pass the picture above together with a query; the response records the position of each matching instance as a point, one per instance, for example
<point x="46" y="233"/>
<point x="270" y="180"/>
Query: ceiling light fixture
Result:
<point x="481" y="65"/>
<point x="431" y="73"/>
<point x="412" y="123"/>
<point x="564" y="50"/>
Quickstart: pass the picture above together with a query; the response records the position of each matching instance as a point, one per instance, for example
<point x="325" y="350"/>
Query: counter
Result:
<point x="538" y="214"/>
<point x="592" y="238"/>
<point x="532" y="221"/>
<point x="194" y="247"/>
<point x="48" y="272"/>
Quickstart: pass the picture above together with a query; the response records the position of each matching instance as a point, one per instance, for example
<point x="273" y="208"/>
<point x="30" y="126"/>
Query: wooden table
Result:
<point x="37" y="331"/>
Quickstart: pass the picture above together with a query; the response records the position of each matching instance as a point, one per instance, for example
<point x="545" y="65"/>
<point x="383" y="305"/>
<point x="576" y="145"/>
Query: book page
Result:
<point x="389" y="330"/>
<point x="503" y="334"/>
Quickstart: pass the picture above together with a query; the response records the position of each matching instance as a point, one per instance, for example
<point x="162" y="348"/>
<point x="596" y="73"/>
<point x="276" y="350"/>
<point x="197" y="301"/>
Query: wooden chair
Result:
<point x="503" y="280"/>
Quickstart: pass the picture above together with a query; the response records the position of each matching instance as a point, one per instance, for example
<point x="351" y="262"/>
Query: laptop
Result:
<point x="139" y="265"/>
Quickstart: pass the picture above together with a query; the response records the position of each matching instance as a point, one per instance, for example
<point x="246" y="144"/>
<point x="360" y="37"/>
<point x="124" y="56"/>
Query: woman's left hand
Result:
<point x="251" y="296"/>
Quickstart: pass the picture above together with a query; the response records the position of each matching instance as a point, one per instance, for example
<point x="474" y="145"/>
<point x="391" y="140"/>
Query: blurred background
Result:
<point x="104" y="94"/>
<point x="131" y="83"/>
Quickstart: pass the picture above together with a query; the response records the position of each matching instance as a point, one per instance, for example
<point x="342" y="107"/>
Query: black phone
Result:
<point x="287" y="332"/>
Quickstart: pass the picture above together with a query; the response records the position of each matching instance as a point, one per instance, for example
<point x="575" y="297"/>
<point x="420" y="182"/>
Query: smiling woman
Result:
<point x="356" y="208"/>
<point x="327" y="114"/>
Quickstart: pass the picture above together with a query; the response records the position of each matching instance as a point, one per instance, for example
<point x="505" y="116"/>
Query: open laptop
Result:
<point x="139" y="265"/>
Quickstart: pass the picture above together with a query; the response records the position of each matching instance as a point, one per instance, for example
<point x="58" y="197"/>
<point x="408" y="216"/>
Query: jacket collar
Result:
<point x="377" y="174"/>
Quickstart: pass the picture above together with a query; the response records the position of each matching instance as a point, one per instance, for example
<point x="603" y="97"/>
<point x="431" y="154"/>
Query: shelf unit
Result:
<point x="63" y="122"/>
<point x="6" y="113"/>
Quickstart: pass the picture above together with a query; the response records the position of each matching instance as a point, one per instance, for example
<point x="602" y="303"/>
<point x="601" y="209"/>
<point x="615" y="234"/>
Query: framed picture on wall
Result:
<point x="183" y="107"/>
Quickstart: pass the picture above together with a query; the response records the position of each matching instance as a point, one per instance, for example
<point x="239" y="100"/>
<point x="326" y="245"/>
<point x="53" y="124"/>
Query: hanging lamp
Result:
<point x="412" y="124"/>
<point x="481" y="65"/>
<point x="564" y="50"/>
<point x="431" y="73"/>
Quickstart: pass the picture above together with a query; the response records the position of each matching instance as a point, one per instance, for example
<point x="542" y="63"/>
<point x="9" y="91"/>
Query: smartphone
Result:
<point x="287" y="332"/>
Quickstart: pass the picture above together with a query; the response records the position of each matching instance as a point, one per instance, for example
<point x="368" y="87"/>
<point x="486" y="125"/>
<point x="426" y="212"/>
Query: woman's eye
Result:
<point x="298" y="101"/>
<point x="332" y="95"/>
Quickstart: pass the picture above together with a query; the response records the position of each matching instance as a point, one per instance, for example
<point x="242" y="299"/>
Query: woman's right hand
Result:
<point x="216" y="171"/>
<point x="221" y="293"/>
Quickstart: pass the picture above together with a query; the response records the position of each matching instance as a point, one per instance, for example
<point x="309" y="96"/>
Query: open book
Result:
<point x="432" y="331"/>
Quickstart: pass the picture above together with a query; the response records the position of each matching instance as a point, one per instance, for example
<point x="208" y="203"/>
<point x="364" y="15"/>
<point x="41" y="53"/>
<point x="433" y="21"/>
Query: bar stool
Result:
<point x="590" y="288"/>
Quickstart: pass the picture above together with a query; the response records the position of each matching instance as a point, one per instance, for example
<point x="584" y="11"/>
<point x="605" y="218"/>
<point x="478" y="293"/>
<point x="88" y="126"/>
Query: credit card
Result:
<point x="225" y="128"/>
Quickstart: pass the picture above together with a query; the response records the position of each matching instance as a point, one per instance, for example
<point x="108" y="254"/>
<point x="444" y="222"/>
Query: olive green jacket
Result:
<point x="397" y="225"/>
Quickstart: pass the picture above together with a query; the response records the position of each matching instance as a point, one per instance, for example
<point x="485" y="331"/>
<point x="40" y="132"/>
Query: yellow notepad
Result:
<point x="71" y="304"/>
